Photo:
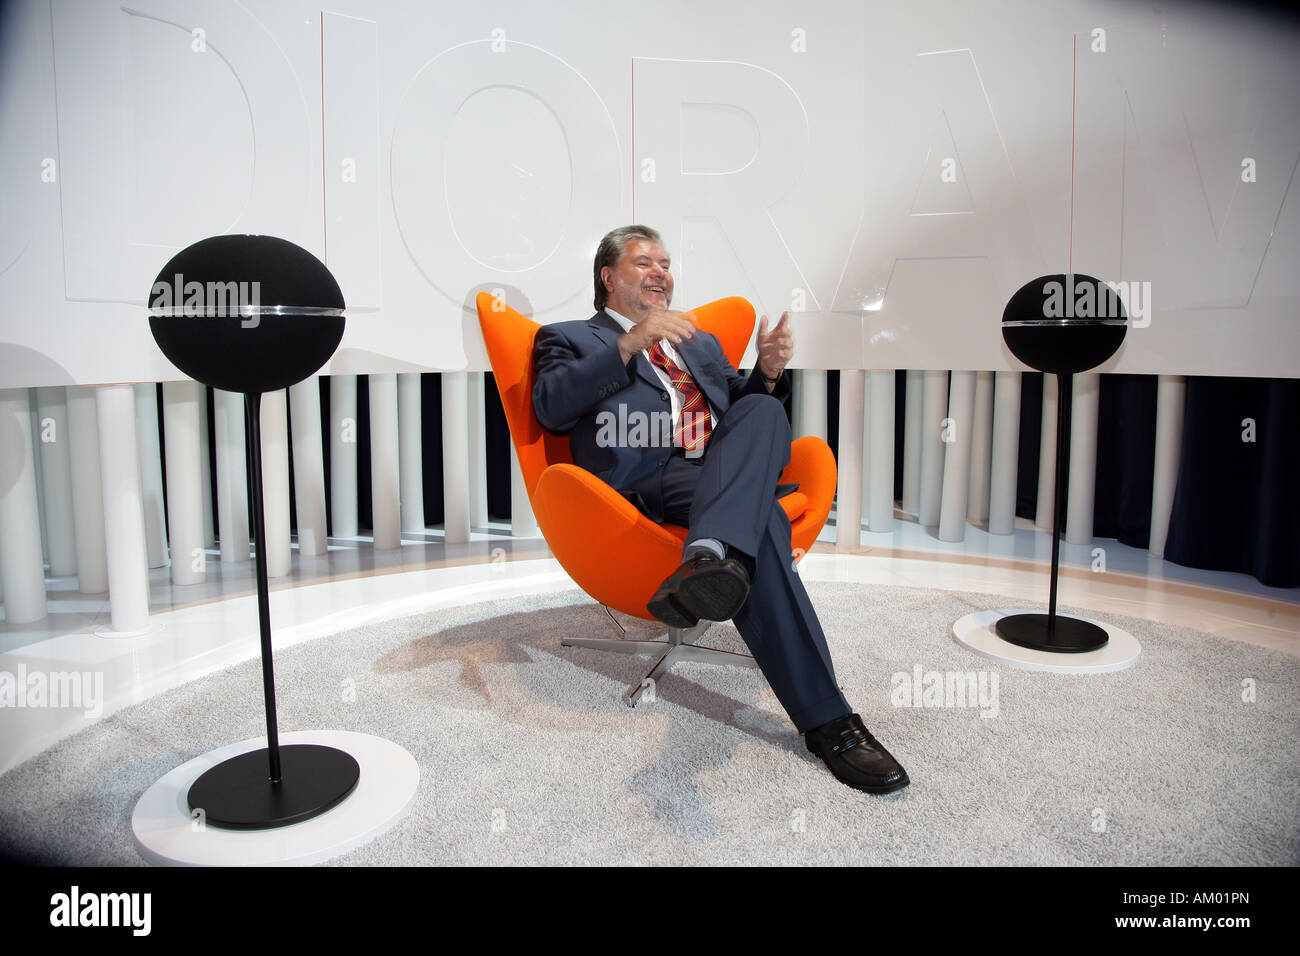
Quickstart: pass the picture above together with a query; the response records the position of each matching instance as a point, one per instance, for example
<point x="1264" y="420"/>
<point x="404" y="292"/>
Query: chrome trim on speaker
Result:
<point x="243" y="312"/>
<point x="1018" y="323"/>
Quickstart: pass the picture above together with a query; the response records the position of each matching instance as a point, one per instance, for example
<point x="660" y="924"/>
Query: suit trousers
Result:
<point x="730" y="493"/>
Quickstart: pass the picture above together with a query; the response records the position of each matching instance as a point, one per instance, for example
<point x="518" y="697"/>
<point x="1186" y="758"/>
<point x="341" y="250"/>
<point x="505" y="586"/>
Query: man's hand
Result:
<point x="775" y="348"/>
<point x="676" y="327"/>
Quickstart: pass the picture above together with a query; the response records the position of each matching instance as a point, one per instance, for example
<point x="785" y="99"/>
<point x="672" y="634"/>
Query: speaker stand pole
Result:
<point x="253" y="408"/>
<point x="1049" y="632"/>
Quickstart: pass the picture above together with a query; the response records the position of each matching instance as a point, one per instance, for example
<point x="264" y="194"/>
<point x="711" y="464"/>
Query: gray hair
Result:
<point x="610" y="251"/>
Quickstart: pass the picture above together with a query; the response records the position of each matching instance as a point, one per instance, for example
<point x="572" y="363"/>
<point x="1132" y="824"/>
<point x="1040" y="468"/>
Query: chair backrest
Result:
<point x="508" y="337"/>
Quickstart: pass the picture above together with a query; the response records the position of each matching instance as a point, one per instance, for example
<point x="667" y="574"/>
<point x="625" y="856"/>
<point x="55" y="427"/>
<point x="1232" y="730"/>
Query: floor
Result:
<point x="197" y="629"/>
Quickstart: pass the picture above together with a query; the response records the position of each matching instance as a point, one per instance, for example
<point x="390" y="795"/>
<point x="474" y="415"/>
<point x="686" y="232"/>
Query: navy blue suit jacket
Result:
<point x="580" y="374"/>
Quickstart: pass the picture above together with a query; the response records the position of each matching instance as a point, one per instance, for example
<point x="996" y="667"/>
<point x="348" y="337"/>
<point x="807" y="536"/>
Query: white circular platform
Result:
<point x="976" y="631"/>
<point x="167" y="835"/>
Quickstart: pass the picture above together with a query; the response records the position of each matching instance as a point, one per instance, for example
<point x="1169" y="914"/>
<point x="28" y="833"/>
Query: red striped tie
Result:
<point x="696" y="424"/>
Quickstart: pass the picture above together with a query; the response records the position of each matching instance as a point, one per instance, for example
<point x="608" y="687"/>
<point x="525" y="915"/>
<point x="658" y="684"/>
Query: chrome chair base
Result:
<point x="679" y="646"/>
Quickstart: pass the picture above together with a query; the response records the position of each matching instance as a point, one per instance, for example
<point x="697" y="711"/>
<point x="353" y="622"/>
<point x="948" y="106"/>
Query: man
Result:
<point x="717" y="476"/>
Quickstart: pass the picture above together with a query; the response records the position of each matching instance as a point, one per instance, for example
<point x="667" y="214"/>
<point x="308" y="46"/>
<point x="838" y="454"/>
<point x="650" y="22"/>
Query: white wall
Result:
<point x="798" y="157"/>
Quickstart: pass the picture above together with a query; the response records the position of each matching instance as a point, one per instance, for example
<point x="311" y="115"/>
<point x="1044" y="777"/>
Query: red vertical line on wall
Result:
<point x="1123" y="187"/>
<point x="634" y="139"/>
<point x="324" y="220"/>
<point x="1074" y="95"/>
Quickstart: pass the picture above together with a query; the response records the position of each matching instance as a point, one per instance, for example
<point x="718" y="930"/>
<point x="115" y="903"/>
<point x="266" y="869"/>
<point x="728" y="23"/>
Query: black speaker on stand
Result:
<point x="1060" y="324"/>
<point x="256" y="314"/>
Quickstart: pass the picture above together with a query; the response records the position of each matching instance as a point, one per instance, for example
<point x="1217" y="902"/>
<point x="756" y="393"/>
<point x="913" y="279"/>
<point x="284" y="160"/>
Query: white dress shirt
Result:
<point x="674" y="396"/>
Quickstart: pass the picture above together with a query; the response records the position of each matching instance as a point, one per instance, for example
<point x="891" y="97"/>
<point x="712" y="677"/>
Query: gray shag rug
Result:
<point x="528" y="755"/>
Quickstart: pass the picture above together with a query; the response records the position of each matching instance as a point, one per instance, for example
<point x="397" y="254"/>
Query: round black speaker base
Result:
<point x="1069" y="636"/>
<point x="237" y="794"/>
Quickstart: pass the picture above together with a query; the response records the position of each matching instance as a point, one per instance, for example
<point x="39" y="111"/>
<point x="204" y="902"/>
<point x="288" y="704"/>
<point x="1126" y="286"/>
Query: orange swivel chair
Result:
<point x="610" y="549"/>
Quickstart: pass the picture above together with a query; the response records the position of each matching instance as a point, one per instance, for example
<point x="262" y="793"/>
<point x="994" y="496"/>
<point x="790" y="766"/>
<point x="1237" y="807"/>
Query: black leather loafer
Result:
<point x="855" y="757"/>
<point x="703" y="588"/>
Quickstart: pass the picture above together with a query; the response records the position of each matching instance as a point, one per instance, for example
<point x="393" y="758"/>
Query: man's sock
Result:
<point x="701" y="546"/>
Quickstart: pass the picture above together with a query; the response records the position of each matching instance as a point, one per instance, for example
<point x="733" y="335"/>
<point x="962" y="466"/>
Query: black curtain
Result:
<point x="431" y="446"/>
<point x="1235" y="506"/>
<point x="1126" y="462"/>
<point x="498" y="451"/>
<point x="1030" y="445"/>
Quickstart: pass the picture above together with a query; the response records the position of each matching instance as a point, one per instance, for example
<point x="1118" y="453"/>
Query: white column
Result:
<point x="385" y="484"/>
<point x="87" y="490"/>
<point x="1171" y="402"/>
<point x="343" y="455"/>
<point x="410" y="449"/>
<point x="184" y="486"/>
<point x="880" y="517"/>
<point x="981" y="446"/>
<point x="308" y="466"/>
<point x="151" y="479"/>
<point x="1047" y="455"/>
<point x="275" y="483"/>
<point x="22" y="568"/>
<point x="478" y="503"/>
<point x="128" y="556"/>
<point x="848" y="493"/>
<point x="912" y="430"/>
<point x="865" y="465"/>
<point x="934" y="409"/>
<point x="523" y="523"/>
<point x="205" y="471"/>
<point x="455" y="457"/>
<point x="1005" y="453"/>
<point x="56" y="474"/>
<point x="1083" y="458"/>
<point x="38" y="467"/>
<point x="810" y="403"/>
<point x="956" y="458"/>
<point x="232" y="475"/>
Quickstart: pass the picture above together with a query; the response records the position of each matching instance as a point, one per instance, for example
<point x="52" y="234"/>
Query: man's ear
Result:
<point x="605" y="273"/>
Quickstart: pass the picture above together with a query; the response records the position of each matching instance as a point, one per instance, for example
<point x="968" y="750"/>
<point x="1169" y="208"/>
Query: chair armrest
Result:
<point x="812" y="465"/>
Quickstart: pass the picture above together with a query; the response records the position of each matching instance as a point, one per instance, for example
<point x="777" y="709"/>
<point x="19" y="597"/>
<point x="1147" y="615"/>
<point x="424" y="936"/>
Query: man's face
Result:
<point x="640" y="282"/>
